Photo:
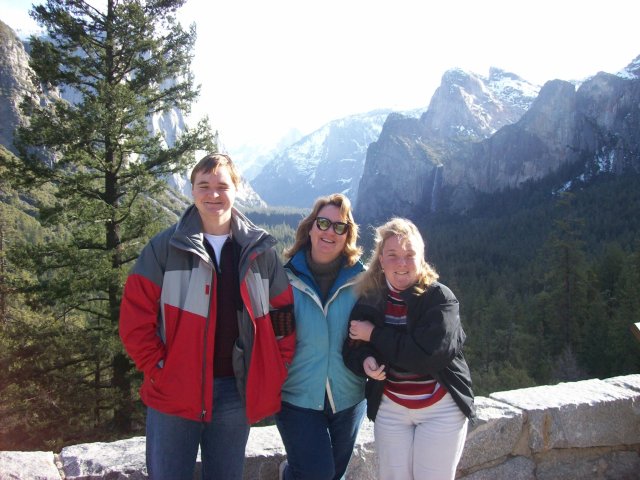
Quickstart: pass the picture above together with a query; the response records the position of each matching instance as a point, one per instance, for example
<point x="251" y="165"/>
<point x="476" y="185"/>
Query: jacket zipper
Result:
<point x="325" y="310"/>
<point x="203" y="413"/>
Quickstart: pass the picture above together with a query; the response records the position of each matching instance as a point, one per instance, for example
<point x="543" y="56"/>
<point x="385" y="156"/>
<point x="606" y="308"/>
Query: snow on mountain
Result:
<point x="472" y="106"/>
<point x="512" y="89"/>
<point x="412" y="161"/>
<point x="328" y="160"/>
<point x="251" y="158"/>
<point x="631" y="71"/>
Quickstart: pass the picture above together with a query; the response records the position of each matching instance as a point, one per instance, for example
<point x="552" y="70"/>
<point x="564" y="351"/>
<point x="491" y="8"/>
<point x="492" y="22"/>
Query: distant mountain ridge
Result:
<point x="15" y="82"/>
<point x="478" y="135"/>
<point x="472" y="106"/>
<point x="331" y="159"/>
<point x="474" y="140"/>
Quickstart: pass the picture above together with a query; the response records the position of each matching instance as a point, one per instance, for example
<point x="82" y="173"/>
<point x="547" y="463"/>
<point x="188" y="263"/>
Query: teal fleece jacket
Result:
<point x="321" y="330"/>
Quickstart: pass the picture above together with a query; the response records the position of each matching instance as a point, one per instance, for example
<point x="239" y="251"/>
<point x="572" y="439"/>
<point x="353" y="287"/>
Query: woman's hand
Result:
<point x="373" y="370"/>
<point x="360" y="330"/>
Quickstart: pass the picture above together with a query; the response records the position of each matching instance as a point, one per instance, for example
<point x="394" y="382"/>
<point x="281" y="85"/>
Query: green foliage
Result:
<point x="500" y="377"/>
<point x="277" y="215"/>
<point x="87" y="192"/>
<point x="281" y="222"/>
<point x="51" y="373"/>
<point x="548" y="284"/>
<point x="565" y="286"/>
<point x="284" y="234"/>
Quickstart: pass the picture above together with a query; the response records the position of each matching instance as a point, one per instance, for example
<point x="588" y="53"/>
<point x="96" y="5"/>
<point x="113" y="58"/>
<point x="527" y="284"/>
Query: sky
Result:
<point x="266" y="67"/>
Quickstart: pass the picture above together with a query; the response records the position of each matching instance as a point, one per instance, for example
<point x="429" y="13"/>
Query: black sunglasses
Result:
<point x="339" y="227"/>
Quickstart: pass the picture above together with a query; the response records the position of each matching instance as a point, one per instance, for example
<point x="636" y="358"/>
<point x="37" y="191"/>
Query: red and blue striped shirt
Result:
<point x="406" y="388"/>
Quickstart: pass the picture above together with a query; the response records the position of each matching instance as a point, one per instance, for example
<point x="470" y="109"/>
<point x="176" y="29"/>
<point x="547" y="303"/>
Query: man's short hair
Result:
<point x="211" y="162"/>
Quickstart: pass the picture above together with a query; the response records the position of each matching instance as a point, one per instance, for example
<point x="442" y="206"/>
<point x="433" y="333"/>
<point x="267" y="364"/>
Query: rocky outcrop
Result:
<point x="401" y="181"/>
<point x="570" y="431"/>
<point x="476" y="138"/>
<point x="16" y="82"/>
<point x="539" y="143"/>
<point x="472" y="106"/>
<point x="608" y="133"/>
<point x="421" y="156"/>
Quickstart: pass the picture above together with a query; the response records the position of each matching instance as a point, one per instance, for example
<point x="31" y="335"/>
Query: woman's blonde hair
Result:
<point x="351" y="251"/>
<point x="373" y="278"/>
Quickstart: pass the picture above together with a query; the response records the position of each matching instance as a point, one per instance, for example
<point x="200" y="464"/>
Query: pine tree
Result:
<point x="123" y="63"/>
<point x="565" y="304"/>
<point x="623" y="350"/>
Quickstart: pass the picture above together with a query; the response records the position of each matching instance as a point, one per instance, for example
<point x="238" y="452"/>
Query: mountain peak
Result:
<point x="632" y="70"/>
<point x="472" y="106"/>
<point x="327" y="160"/>
<point x="512" y="88"/>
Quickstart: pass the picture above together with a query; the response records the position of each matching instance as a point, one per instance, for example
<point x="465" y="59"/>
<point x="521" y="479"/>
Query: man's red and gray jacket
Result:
<point x="168" y="316"/>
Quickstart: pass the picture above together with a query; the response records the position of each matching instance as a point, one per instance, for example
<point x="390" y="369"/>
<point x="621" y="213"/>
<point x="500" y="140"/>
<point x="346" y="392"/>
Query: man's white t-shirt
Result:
<point x="216" y="241"/>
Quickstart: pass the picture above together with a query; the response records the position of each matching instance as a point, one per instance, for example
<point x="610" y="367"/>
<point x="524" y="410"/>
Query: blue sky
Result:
<point x="268" y="66"/>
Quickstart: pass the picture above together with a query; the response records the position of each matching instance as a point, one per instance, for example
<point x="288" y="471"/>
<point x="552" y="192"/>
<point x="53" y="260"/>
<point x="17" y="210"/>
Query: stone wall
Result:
<point x="582" y="430"/>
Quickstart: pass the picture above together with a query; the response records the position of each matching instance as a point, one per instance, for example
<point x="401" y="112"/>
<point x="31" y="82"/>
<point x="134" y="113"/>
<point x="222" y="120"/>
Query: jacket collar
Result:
<point x="252" y="239"/>
<point x="298" y="266"/>
<point x="379" y="297"/>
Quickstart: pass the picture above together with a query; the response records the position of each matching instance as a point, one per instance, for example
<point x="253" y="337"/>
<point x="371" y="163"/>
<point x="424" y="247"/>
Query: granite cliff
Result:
<point x="482" y="135"/>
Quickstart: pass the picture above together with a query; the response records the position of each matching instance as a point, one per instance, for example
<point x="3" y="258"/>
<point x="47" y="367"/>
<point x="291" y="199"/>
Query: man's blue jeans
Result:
<point x="172" y="442"/>
<point x="318" y="443"/>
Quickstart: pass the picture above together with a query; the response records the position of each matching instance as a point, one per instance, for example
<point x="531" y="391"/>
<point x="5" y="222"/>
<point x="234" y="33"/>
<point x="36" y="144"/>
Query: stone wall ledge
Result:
<point x="571" y="431"/>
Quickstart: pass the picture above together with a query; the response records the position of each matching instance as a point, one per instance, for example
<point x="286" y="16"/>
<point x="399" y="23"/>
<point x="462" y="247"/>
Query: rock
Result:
<point x="517" y="468"/>
<point x="581" y="414"/>
<point x="496" y="431"/>
<point x="123" y="459"/>
<point x="28" y="465"/>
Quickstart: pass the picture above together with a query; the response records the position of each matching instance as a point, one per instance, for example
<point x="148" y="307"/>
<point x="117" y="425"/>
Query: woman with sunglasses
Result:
<point x="322" y="401"/>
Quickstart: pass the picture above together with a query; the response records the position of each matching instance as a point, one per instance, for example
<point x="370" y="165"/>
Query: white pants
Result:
<point x="419" y="444"/>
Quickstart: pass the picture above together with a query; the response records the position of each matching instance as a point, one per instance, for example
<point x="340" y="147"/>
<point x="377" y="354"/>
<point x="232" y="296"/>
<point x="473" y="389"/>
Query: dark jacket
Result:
<point x="432" y="344"/>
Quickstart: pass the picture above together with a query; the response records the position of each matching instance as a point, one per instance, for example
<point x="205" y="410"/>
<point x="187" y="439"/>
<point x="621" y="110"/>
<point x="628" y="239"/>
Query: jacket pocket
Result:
<point x="155" y="374"/>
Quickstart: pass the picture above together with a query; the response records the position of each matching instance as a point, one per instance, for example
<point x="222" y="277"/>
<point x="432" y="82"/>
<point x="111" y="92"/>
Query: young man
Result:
<point x="206" y="316"/>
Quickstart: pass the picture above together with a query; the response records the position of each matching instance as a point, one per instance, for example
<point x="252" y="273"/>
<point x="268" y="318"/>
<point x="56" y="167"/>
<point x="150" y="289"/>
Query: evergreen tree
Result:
<point x="596" y="332"/>
<point x="124" y="62"/>
<point x="565" y="301"/>
<point x="622" y="355"/>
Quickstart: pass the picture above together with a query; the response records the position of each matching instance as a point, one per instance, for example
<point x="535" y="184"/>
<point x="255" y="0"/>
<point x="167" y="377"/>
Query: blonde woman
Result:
<point x="405" y="336"/>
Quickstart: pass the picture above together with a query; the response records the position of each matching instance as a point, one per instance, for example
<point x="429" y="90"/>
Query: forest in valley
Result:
<point x="548" y="280"/>
<point x="549" y="284"/>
